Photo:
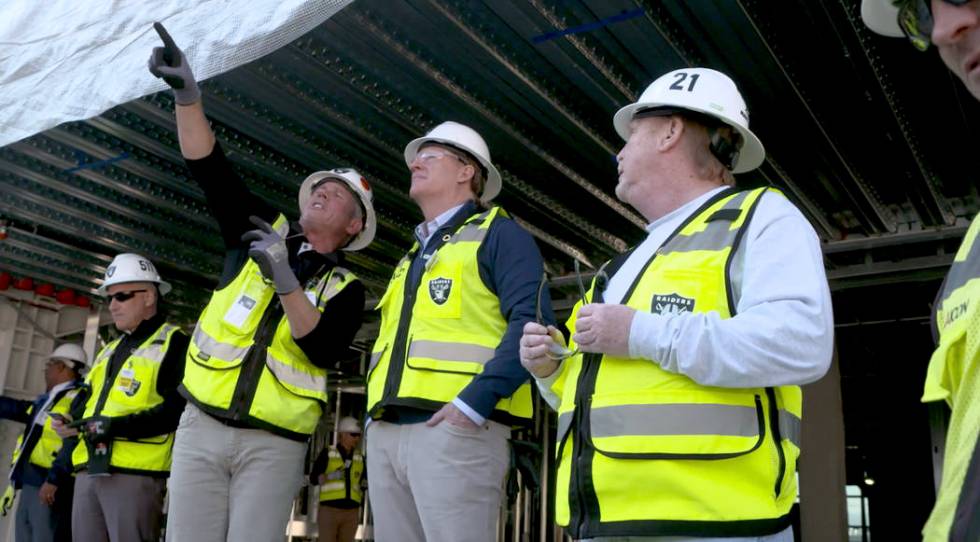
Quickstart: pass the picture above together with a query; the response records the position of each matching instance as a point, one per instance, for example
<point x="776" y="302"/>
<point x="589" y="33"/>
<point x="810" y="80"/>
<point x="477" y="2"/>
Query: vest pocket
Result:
<point x="296" y="381"/>
<point x="203" y="359"/>
<point x="440" y="294"/>
<point x="687" y="424"/>
<point x="447" y="357"/>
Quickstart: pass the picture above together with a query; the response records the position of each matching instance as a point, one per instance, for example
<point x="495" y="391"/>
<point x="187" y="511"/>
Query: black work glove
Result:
<point x="170" y="64"/>
<point x="525" y="457"/>
<point x="268" y="250"/>
<point x="97" y="429"/>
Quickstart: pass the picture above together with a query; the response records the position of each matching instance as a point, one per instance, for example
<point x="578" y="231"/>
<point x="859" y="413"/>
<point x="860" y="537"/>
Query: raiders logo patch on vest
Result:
<point x="439" y="290"/>
<point x="671" y="304"/>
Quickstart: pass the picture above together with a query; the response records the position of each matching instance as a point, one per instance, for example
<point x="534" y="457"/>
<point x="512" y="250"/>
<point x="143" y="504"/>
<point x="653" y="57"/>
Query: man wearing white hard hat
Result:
<point x="126" y="420"/>
<point x="953" y="26"/>
<point x="284" y="310"/>
<point x="339" y="471"/>
<point x="445" y="385"/>
<point x="44" y="509"/>
<point x="679" y="401"/>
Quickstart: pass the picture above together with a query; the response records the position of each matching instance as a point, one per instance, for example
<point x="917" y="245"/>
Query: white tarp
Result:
<point x="63" y="60"/>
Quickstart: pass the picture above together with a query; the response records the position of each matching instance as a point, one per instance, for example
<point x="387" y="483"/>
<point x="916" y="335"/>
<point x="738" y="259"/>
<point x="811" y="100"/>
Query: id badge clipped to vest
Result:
<point x="240" y="310"/>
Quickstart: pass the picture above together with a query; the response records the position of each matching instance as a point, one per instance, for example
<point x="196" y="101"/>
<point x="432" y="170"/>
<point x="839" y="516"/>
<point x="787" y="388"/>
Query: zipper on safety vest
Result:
<point x="776" y="437"/>
<point x="248" y="380"/>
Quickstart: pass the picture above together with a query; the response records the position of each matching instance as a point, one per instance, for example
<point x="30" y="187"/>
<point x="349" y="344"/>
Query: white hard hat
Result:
<point x="348" y="425"/>
<point x="464" y="138"/>
<point x="359" y="185"/>
<point x="129" y="267"/>
<point x="881" y="16"/>
<point x="70" y="352"/>
<point x="705" y="91"/>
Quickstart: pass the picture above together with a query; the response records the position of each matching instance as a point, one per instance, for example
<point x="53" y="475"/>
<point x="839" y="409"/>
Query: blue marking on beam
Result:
<point x="82" y="164"/>
<point x="588" y="27"/>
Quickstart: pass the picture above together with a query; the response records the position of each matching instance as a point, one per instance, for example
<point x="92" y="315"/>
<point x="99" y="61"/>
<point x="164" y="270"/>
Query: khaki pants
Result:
<point x="117" y="508"/>
<point x="337" y="524"/>
<point x="442" y="483"/>
<point x="228" y="483"/>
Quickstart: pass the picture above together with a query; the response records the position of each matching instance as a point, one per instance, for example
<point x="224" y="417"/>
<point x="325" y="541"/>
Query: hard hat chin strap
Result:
<point x="725" y="147"/>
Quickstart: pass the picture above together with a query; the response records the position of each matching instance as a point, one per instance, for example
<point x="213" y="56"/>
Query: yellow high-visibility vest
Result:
<point x="954" y="376"/>
<point x="134" y="389"/>
<point x="49" y="443"/>
<point x="290" y="392"/>
<point x="441" y="333"/>
<point x="646" y="452"/>
<point x="349" y="485"/>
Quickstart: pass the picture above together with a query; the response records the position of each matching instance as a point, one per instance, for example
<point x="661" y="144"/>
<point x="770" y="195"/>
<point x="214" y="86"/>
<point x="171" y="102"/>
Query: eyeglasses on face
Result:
<point x="916" y="21"/>
<point x="427" y="157"/>
<point x="123" y="297"/>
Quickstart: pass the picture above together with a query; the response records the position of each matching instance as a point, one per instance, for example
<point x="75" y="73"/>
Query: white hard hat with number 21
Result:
<point x="705" y="91"/>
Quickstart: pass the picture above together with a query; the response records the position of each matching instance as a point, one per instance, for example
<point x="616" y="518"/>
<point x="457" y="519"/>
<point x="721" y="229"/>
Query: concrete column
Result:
<point x="823" y="506"/>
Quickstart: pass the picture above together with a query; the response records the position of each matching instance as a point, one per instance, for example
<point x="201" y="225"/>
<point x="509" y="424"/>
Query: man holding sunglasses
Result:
<point x="445" y="384"/>
<point x="679" y="404"/>
<point x="126" y="422"/>
<point x="285" y="309"/>
<point x="953" y="26"/>
<point x="339" y="471"/>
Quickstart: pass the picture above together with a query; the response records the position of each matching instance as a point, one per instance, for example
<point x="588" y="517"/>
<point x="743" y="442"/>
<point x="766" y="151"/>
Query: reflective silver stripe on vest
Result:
<point x="717" y="235"/>
<point x="212" y="347"/>
<point x="674" y="419"/>
<point x="375" y="358"/>
<point x="472" y="230"/>
<point x="961" y="272"/>
<point x="564" y="424"/>
<point x="790" y="427"/>
<point x="294" y="377"/>
<point x="155" y="352"/>
<point x="469" y="232"/>
<point x="450" y="351"/>
<point x="336" y="277"/>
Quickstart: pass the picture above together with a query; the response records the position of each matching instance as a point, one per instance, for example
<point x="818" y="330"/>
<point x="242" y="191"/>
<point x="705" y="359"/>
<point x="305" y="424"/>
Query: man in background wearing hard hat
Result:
<point x="284" y="310"/>
<point x="445" y="384"/>
<point x="339" y="471"/>
<point x="44" y="512"/>
<point x="954" y="369"/>
<point x="127" y="420"/>
<point x="679" y="401"/>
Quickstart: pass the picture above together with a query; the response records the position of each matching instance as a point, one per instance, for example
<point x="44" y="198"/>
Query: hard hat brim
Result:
<point x="750" y="156"/>
<point x="881" y="16"/>
<point x="491" y="188"/>
<point x="370" y="228"/>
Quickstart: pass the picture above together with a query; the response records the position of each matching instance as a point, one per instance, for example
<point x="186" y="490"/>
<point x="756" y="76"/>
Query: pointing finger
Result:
<point x="171" y="48"/>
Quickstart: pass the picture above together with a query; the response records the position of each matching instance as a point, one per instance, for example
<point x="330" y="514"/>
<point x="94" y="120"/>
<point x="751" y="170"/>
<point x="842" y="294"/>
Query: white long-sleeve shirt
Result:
<point x="783" y="329"/>
<point x="782" y="332"/>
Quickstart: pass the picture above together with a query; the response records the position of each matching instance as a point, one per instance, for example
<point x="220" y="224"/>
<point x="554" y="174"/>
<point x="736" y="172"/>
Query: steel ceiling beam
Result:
<point x="369" y="23"/>
<point x="929" y="193"/>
